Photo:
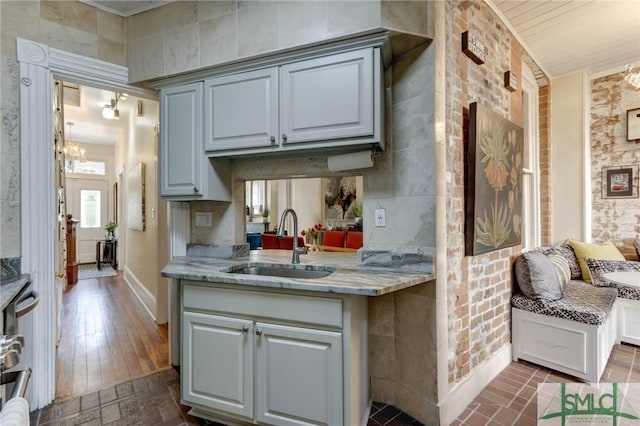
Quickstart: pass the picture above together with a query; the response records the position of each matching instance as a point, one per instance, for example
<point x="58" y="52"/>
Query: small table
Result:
<point x="110" y="252"/>
<point x="630" y="278"/>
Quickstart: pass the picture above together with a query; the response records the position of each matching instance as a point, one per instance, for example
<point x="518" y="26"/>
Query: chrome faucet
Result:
<point x="297" y="251"/>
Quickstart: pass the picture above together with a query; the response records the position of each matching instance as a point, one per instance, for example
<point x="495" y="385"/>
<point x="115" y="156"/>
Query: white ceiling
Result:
<point x="89" y="125"/>
<point x="599" y="36"/>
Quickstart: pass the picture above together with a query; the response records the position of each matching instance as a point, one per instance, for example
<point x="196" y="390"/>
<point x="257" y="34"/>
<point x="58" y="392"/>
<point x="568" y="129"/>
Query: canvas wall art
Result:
<point x="339" y="195"/>
<point x="493" y="190"/>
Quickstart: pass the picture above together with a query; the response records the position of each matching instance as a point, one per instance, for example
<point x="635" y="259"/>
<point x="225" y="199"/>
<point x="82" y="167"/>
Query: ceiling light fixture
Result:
<point x="632" y="77"/>
<point x="110" y="111"/>
<point x="72" y="151"/>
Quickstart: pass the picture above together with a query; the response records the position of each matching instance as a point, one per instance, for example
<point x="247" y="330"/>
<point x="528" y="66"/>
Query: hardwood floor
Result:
<point x="107" y="338"/>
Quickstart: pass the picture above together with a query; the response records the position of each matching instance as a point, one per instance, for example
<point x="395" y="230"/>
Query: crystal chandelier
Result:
<point x="72" y="151"/>
<point x="632" y="77"/>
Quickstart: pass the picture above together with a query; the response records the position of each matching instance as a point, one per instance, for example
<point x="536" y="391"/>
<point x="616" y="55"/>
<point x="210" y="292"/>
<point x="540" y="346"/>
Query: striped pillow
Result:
<point x="562" y="269"/>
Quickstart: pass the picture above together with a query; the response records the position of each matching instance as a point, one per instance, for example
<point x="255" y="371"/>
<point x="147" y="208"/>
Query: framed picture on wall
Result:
<point x="493" y="182"/>
<point x="620" y="182"/>
<point x="633" y="124"/>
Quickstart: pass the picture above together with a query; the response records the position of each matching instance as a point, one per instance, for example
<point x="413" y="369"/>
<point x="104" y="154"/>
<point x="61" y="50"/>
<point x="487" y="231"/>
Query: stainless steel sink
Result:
<point x="280" y="271"/>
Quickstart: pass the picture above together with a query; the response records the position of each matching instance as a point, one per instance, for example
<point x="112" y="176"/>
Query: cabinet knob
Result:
<point x="245" y="329"/>
<point x="195" y="189"/>
<point x="284" y="137"/>
<point x="258" y="332"/>
<point x="272" y="139"/>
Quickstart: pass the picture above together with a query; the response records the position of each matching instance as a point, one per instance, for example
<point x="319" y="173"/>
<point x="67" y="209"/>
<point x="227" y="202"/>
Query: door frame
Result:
<point x="39" y="65"/>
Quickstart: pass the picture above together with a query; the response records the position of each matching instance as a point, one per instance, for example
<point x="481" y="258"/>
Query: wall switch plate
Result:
<point x="204" y="219"/>
<point x="381" y="218"/>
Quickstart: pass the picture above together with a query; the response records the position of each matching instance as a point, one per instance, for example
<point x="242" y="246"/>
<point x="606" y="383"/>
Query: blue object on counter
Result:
<point x="255" y="240"/>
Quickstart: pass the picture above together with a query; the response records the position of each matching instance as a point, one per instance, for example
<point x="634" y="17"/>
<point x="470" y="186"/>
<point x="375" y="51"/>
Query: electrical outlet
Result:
<point x="381" y="218"/>
<point x="204" y="219"/>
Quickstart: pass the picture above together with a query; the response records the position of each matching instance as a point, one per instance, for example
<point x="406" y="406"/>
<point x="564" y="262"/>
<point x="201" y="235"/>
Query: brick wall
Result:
<point x="479" y="287"/>
<point x="615" y="219"/>
<point x="544" y="115"/>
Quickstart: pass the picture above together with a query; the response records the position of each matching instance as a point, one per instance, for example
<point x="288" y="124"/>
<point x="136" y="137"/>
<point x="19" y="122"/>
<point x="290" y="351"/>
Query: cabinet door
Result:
<point x="181" y="150"/>
<point x="217" y="362"/>
<point x="298" y="376"/>
<point x="328" y="98"/>
<point x="241" y="110"/>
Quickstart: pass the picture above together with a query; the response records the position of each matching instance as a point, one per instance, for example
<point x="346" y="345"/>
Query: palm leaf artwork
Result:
<point x="493" y="182"/>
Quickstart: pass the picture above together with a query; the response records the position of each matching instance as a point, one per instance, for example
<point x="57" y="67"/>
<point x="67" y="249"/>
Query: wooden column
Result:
<point x="72" y="262"/>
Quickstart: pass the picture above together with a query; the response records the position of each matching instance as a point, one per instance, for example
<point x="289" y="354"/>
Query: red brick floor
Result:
<point x="510" y="399"/>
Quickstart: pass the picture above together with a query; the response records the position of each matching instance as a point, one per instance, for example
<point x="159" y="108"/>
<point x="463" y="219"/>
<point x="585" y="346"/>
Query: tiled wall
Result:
<point x="615" y="219"/>
<point x="479" y="287"/>
<point x="69" y="25"/>
<point x="187" y="35"/>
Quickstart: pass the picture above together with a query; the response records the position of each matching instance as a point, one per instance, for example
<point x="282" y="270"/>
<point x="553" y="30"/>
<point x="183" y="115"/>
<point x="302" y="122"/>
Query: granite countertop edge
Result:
<point x="348" y="277"/>
<point x="10" y="287"/>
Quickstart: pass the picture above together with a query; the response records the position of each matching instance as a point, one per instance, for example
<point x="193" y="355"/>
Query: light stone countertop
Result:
<point x="10" y="287"/>
<point x="348" y="277"/>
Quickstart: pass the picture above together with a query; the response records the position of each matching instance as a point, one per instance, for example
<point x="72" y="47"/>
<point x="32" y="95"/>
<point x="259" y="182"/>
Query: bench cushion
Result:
<point x="581" y="302"/>
<point x="565" y="250"/>
<point x="598" y="268"/>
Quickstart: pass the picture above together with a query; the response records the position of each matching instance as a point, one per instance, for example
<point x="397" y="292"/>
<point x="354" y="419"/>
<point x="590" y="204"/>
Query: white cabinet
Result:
<point x="185" y="172"/>
<point x="241" y="110"/>
<point x="330" y="101"/>
<point x="328" y="98"/>
<point x="217" y="365"/>
<point x="298" y="375"/>
<point x="273" y="357"/>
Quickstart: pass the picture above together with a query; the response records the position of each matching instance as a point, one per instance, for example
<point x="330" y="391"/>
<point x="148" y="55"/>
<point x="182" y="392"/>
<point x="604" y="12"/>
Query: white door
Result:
<point x="217" y="362"/>
<point x="241" y="110"/>
<point x="87" y="201"/>
<point x="298" y="376"/>
<point x="328" y="98"/>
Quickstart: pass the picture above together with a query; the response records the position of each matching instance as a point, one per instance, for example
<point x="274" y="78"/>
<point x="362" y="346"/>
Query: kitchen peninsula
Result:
<point x="279" y="350"/>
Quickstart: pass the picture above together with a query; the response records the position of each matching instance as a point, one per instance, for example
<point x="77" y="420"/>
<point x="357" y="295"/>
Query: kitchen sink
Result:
<point x="281" y="271"/>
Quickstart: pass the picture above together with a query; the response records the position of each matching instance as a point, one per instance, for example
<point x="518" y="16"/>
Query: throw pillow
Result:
<point x="604" y="251"/>
<point x="537" y="276"/>
<point x="562" y="269"/>
<point x="565" y="250"/>
<point x="597" y="268"/>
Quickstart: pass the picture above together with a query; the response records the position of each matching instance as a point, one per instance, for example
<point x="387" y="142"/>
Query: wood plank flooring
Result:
<point x="107" y="338"/>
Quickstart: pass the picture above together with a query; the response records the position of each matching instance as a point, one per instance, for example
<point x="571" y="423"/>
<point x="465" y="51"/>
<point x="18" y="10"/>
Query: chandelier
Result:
<point x="110" y="111"/>
<point x="72" y="151"/>
<point x="632" y="77"/>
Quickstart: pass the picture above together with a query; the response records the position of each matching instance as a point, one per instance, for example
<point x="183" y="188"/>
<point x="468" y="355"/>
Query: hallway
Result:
<point x="107" y="338"/>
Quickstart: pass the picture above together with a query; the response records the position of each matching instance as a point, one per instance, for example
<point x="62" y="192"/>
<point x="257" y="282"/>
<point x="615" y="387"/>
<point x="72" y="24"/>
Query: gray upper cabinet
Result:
<point x="325" y="102"/>
<point x="328" y="98"/>
<point x="241" y="110"/>
<point x="185" y="172"/>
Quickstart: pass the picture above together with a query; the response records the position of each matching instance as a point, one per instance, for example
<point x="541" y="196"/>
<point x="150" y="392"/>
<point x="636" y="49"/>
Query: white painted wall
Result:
<point x="570" y="201"/>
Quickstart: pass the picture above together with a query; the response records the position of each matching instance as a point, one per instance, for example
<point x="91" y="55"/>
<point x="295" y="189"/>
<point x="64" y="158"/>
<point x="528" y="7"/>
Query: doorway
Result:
<point x="87" y="202"/>
<point x="39" y="65"/>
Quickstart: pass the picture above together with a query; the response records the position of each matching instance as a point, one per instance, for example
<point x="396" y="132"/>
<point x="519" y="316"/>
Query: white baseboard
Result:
<point x="461" y="396"/>
<point x="148" y="300"/>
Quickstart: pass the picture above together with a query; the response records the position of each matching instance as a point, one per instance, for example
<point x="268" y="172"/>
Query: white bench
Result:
<point x="573" y="335"/>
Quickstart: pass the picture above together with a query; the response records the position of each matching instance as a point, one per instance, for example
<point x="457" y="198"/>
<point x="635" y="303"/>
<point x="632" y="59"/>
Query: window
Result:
<point x="90" y="209"/>
<point x="531" y="232"/>
<point x="255" y="196"/>
<point x="85" y="167"/>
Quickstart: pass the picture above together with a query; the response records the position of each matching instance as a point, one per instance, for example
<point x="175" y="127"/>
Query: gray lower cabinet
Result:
<point x="273" y="357"/>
